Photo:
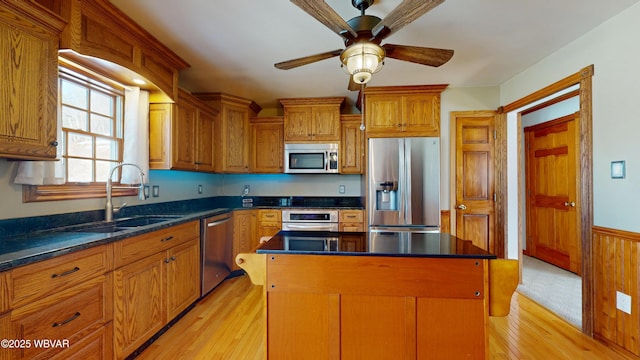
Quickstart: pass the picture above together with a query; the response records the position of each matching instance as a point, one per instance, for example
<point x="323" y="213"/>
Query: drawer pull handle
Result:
<point x="68" y="272"/>
<point x="167" y="238"/>
<point x="73" y="317"/>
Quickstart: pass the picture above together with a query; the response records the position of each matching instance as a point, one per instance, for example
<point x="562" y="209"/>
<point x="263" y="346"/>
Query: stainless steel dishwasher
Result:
<point x="216" y="241"/>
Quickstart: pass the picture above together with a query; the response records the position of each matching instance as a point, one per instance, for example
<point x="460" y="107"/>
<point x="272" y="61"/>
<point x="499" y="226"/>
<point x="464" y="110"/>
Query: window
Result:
<point x="91" y="113"/>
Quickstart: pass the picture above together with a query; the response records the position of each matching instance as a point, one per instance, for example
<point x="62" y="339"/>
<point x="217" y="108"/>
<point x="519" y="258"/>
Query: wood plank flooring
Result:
<point x="228" y="324"/>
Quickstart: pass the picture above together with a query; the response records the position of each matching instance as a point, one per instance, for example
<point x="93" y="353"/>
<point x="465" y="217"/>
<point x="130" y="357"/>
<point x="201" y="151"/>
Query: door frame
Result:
<point x="583" y="78"/>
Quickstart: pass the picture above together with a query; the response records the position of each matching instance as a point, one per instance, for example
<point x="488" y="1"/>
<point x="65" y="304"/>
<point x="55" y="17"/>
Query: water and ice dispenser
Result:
<point x="387" y="195"/>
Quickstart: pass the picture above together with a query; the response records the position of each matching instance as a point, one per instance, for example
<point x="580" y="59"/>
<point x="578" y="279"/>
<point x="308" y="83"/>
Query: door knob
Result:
<point x="572" y="204"/>
<point x="461" y="207"/>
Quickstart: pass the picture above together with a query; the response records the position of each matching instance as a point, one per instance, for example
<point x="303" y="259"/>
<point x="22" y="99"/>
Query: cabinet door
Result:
<point x="183" y="277"/>
<point x="421" y="115"/>
<point x="204" y="147"/>
<point x="326" y="123"/>
<point x="139" y="303"/>
<point x="29" y="72"/>
<point x="267" y="152"/>
<point x="351" y="147"/>
<point x="183" y="142"/>
<point x="235" y="127"/>
<point x="244" y="233"/>
<point x="297" y="123"/>
<point x="383" y="115"/>
<point x="160" y="116"/>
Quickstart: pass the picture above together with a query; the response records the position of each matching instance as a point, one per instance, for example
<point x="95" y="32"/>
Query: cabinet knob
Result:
<point x="54" y="143"/>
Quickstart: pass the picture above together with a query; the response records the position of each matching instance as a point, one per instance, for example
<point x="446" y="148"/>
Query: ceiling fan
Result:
<point x="363" y="35"/>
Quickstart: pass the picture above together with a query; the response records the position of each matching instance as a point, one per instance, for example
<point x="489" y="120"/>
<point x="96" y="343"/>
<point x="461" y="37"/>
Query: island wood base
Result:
<point x="374" y="307"/>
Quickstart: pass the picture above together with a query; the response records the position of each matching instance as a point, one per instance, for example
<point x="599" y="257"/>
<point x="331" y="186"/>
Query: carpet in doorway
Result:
<point x="556" y="289"/>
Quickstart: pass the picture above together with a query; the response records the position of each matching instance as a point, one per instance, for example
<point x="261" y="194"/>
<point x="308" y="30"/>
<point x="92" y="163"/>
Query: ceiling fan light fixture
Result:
<point x="361" y="60"/>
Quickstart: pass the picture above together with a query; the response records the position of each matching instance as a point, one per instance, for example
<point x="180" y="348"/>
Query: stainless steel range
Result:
<point x="310" y="220"/>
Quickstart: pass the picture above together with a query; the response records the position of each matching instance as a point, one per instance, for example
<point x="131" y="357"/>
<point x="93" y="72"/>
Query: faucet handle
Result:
<point x="116" y="209"/>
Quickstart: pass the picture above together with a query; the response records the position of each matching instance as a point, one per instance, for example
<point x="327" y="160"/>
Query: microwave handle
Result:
<point x="326" y="160"/>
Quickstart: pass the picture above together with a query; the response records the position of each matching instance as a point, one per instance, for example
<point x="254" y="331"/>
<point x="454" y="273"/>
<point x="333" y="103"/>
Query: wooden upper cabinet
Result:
<point x="351" y="145"/>
<point x="403" y="110"/>
<point x="232" y="130"/>
<point x="312" y="119"/>
<point x="116" y="45"/>
<point x="267" y="145"/>
<point x="181" y="135"/>
<point x="29" y="72"/>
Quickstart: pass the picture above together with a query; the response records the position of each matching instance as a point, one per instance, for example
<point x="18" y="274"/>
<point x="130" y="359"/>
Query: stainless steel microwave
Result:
<point x="320" y="158"/>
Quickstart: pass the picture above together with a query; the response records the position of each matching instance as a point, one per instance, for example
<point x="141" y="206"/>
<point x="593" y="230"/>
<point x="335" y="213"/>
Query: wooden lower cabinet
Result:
<point x="365" y="307"/>
<point x="351" y="220"/>
<point x="269" y="222"/>
<point x="244" y="234"/>
<point x="138" y="303"/>
<point x="183" y="277"/>
<point x="152" y="290"/>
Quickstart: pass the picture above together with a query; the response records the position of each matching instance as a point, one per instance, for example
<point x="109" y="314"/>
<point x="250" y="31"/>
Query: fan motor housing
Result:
<point x="362" y="25"/>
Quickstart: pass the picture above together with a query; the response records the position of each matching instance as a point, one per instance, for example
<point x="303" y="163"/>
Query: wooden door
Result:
<point x="267" y="145"/>
<point x="29" y="91"/>
<point x="297" y="123"/>
<point x="139" y="303"/>
<point x="421" y="114"/>
<point x="552" y="185"/>
<point x="236" y="133"/>
<point x="183" y="277"/>
<point x="383" y="115"/>
<point x="183" y="146"/>
<point x="244" y="233"/>
<point x="326" y="123"/>
<point x="474" y="173"/>
<point x="205" y="135"/>
<point x="351" y="145"/>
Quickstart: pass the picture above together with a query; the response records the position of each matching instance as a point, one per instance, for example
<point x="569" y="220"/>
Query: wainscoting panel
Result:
<point x="616" y="260"/>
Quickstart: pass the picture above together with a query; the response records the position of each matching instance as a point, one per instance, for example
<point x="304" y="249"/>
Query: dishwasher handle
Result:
<point x="216" y="223"/>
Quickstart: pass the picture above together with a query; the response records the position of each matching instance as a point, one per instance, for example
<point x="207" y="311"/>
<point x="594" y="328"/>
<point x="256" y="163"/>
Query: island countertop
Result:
<point x="374" y="243"/>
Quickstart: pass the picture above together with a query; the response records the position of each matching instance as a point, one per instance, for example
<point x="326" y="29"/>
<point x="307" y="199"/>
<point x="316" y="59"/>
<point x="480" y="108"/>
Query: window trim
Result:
<point x="70" y="191"/>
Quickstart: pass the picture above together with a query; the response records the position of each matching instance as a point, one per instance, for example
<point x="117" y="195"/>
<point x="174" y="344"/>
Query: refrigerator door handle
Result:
<point x="402" y="182"/>
<point x="408" y="217"/>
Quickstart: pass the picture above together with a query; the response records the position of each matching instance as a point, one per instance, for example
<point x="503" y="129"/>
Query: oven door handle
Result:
<point x="308" y="227"/>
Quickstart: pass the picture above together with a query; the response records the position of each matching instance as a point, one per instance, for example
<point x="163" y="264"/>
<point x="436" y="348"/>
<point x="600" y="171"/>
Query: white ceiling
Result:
<point x="232" y="45"/>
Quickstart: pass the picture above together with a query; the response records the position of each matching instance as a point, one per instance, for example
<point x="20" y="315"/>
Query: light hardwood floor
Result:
<point x="228" y="324"/>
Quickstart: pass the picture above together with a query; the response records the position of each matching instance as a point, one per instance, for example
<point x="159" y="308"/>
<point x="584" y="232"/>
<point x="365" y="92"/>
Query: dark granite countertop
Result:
<point x="383" y="243"/>
<point x="28" y="240"/>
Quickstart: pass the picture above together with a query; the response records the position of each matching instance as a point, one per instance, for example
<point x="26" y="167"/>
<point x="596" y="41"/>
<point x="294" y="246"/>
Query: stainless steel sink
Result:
<point x="119" y="225"/>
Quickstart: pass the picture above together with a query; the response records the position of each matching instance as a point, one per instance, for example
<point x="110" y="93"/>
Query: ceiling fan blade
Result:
<point x="418" y="55"/>
<point x="322" y="12"/>
<point x="403" y="14"/>
<point x="290" y="64"/>
<point x="353" y="86"/>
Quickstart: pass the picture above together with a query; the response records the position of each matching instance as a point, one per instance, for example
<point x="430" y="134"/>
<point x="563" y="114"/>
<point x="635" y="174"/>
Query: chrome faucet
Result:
<point x="109" y="210"/>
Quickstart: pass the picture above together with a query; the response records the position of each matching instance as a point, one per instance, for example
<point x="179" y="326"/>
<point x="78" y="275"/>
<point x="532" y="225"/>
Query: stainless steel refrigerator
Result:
<point x="404" y="183"/>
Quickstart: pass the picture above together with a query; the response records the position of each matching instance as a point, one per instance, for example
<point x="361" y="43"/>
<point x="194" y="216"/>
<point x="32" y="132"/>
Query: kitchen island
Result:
<point x="379" y="295"/>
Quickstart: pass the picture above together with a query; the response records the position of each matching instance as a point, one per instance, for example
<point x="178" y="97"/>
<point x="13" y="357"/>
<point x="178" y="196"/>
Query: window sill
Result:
<point x="36" y="193"/>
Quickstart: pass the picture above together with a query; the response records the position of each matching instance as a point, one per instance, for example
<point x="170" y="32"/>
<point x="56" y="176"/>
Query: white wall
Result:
<point x="614" y="49"/>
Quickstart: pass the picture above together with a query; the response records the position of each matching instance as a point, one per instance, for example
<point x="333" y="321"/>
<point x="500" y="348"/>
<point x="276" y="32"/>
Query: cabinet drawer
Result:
<point x="351" y="227"/>
<point x="138" y="247"/>
<point x="97" y="345"/>
<point x="351" y="216"/>
<point x="35" y="281"/>
<point x="68" y="315"/>
<point x="270" y="216"/>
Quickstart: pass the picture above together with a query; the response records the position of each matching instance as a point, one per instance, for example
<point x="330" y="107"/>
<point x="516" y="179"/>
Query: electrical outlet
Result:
<point x="155" y="190"/>
<point x="341" y="189"/>
<point x="199" y="189"/>
<point x="246" y="190"/>
<point x="623" y="302"/>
